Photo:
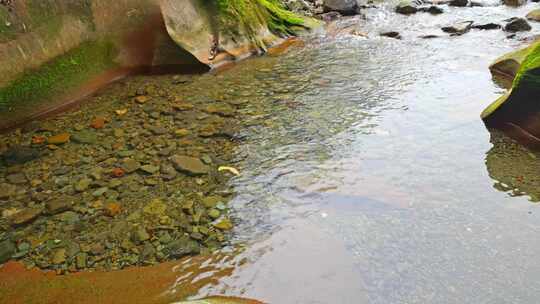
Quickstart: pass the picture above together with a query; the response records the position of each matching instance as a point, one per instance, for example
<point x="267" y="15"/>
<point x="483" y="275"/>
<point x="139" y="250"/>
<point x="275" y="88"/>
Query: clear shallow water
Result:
<point x="366" y="181"/>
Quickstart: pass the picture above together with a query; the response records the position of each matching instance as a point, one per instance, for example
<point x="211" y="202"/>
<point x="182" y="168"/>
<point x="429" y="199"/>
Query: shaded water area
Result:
<point x="367" y="175"/>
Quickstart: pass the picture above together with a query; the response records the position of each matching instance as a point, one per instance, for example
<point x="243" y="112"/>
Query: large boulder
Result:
<point x="344" y="7"/>
<point x="534" y="15"/>
<point x="519" y="108"/>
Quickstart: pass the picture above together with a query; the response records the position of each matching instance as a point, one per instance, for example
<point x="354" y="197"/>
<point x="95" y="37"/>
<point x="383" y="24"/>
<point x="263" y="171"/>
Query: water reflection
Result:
<point x="513" y="167"/>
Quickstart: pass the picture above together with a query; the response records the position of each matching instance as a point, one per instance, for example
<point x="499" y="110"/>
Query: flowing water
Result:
<point x="366" y="181"/>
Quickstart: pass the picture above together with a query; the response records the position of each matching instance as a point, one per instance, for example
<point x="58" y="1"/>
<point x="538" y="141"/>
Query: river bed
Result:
<point x="366" y="174"/>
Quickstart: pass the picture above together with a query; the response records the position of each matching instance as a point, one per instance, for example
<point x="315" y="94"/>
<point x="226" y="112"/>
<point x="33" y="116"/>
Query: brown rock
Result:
<point x="25" y="216"/>
<point x="59" y="205"/>
<point x="189" y="165"/>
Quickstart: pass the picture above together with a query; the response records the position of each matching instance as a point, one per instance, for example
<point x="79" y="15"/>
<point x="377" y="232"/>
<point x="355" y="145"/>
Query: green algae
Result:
<point x="60" y="74"/>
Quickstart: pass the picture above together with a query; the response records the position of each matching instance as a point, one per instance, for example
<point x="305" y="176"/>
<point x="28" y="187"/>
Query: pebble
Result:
<point x="100" y="191"/>
<point x="25" y="216"/>
<point x="7" y="249"/>
<point x="140" y="235"/>
<point x="80" y="260"/>
<point x="59" y="256"/>
<point x="85" y="137"/>
<point x="59" y="205"/>
<point x="150" y="169"/>
<point x="130" y="165"/>
<point x="189" y="165"/>
<point x="7" y="190"/>
<point x="83" y="184"/>
<point x="17" y="178"/>
<point x="223" y="223"/>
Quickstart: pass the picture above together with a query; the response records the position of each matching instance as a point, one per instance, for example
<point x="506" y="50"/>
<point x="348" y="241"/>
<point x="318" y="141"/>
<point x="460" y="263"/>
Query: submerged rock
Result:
<point x="189" y="165"/>
<point x="20" y="155"/>
<point x="58" y="205"/>
<point x="25" y="216"/>
<point x="7" y="249"/>
<point x="85" y="137"/>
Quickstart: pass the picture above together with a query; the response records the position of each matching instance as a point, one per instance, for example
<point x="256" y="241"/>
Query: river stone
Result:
<point x="25" y="216"/>
<point x="344" y="7"/>
<point x="83" y="184"/>
<point x="222" y="109"/>
<point x="20" y="155"/>
<point x="434" y="10"/>
<point x="459" y="28"/>
<point x="17" y="179"/>
<point x="80" y="260"/>
<point x="7" y="190"/>
<point x="59" y="256"/>
<point x="534" y="15"/>
<point x="459" y="3"/>
<point x="140" y="235"/>
<point x="150" y="169"/>
<point x="514" y="3"/>
<point x="223" y="223"/>
<point x="182" y="247"/>
<point x="189" y="165"/>
<point x="517" y="25"/>
<point x="130" y="165"/>
<point x="406" y="8"/>
<point x="59" y="205"/>
<point x="168" y="172"/>
<point x="7" y="249"/>
<point x="85" y="137"/>
<point x="214" y="213"/>
<point x="394" y="35"/>
<point x="155" y="207"/>
<point x="487" y="26"/>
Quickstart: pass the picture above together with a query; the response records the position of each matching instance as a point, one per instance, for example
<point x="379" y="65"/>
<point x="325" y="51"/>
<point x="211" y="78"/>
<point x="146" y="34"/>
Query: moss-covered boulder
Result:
<point x="519" y="108"/>
<point x="238" y="28"/>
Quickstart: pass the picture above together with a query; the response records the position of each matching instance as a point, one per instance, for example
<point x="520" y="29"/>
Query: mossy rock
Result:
<point x="519" y="108"/>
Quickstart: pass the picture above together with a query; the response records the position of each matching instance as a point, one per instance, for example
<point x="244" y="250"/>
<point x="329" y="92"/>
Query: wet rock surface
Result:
<point x="517" y="25"/>
<point x="120" y="182"/>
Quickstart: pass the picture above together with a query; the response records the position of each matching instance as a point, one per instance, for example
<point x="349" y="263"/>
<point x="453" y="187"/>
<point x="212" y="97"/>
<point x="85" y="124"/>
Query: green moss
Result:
<point x="251" y="15"/>
<point x="528" y="76"/>
<point x="59" y="75"/>
<point x="526" y="85"/>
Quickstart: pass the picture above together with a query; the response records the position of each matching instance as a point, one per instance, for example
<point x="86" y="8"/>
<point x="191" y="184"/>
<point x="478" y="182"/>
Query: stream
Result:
<point x="372" y="178"/>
